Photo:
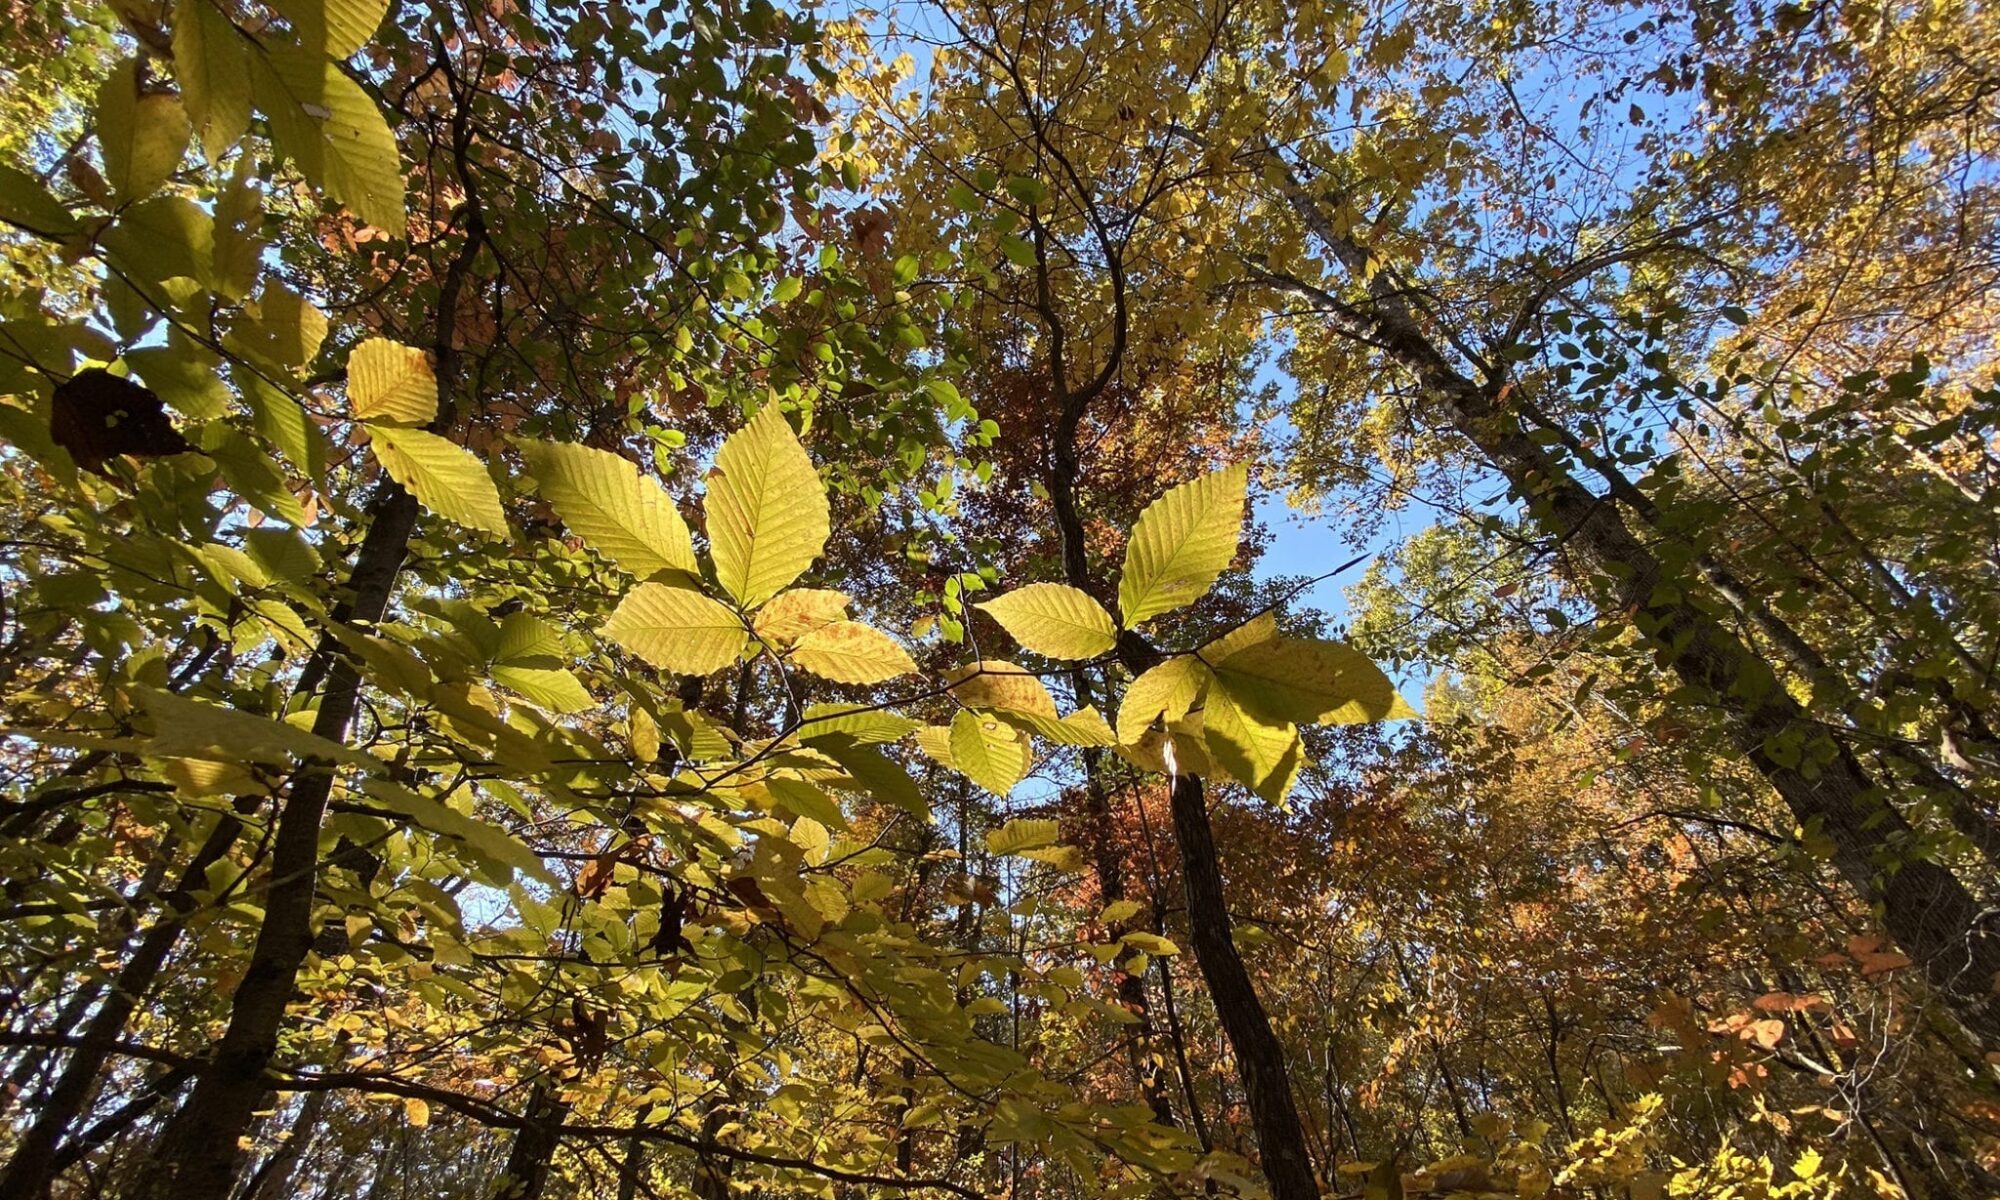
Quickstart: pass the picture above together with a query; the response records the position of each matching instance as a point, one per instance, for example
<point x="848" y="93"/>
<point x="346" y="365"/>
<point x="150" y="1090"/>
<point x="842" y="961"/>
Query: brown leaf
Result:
<point x="596" y="875"/>
<point x="99" y="416"/>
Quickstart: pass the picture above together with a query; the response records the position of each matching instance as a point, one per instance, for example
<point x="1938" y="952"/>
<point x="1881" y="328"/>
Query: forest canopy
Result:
<point x="1028" y="599"/>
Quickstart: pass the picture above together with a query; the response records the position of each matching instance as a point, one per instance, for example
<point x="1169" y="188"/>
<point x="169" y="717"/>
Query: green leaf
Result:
<point x="335" y="28"/>
<point x="332" y="131"/>
<point x="26" y="203"/>
<point x="1018" y="250"/>
<point x="767" y="511"/>
<point x="212" y="63"/>
<point x="190" y="385"/>
<point x="677" y="629"/>
<point x="1183" y="541"/>
<point x="250" y="472"/>
<point x="624" y="515"/>
<point x="1084" y="727"/>
<point x="143" y="135"/>
<point x="1308" y="681"/>
<point x="553" y="688"/>
<point x="989" y="752"/>
<point x="695" y="736"/>
<point x="875" y="773"/>
<point x="1167" y="690"/>
<point x="484" y="839"/>
<point x="391" y="383"/>
<point x="850" y="652"/>
<point x="1150" y="943"/>
<point x="1263" y="757"/>
<point x="444" y="476"/>
<point x="282" y="422"/>
<point x="1023" y="833"/>
<point x="184" y="728"/>
<point x="1055" y="620"/>
<point x="856" y="721"/>
<point x="807" y="800"/>
<point x="159" y="239"/>
<point x="526" y="638"/>
<point x="280" y="326"/>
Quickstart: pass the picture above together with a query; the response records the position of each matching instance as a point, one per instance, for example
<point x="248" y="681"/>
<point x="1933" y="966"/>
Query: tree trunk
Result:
<point x="1926" y="909"/>
<point x="534" y="1151"/>
<point x="33" y="1166"/>
<point x="198" y="1151"/>
<point x="1260" y="1058"/>
<point x="273" y="1178"/>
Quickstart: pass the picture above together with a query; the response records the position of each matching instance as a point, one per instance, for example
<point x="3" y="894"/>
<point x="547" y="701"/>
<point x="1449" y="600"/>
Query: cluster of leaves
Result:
<point x="631" y="599"/>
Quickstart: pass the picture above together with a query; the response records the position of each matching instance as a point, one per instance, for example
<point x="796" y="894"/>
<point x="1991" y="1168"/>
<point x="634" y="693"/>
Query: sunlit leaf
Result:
<point x="993" y="683"/>
<point x="1264" y="757"/>
<point x="330" y="128"/>
<point x="445" y="477"/>
<point x="143" y="133"/>
<point x="1166" y="690"/>
<point x="677" y="629"/>
<point x="391" y="383"/>
<point x="335" y="28"/>
<point x="1023" y="833"/>
<point x="767" y="511"/>
<point x="793" y="613"/>
<point x="212" y="64"/>
<point x="618" y="511"/>
<point x="1182" y="542"/>
<point x="1055" y="620"/>
<point x="850" y="652"/>
<point x="989" y="752"/>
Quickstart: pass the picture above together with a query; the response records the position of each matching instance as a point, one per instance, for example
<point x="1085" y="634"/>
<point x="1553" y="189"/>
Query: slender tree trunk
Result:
<point x="273" y="1178"/>
<point x="1927" y="910"/>
<point x="1143" y="1053"/>
<point x="32" y="1168"/>
<point x="198" y="1151"/>
<point x="1260" y="1058"/>
<point x="527" y="1171"/>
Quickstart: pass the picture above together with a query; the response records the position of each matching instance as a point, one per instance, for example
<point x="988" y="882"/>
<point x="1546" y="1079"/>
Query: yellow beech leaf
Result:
<point x="1263" y="757"/>
<point x="677" y="629"/>
<point x="793" y="613"/>
<point x="1023" y="833"/>
<point x="989" y="752"/>
<point x="143" y="134"/>
<point x="212" y="63"/>
<point x="1308" y="681"/>
<point x="616" y="509"/>
<point x="444" y="476"/>
<point x="1260" y="628"/>
<point x="992" y="683"/>
<point x="1051" y="619"/>
<point x="850" y="652"/>
<point x="767" y="512"/>
<point x="390" y="382"/>
<point x="1182" y="542"/>
<point x="1167" y="690"/>
<point x="331" y="130"/>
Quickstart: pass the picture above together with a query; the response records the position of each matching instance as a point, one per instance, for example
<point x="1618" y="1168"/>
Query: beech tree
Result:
<point x="703" y="599"/>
